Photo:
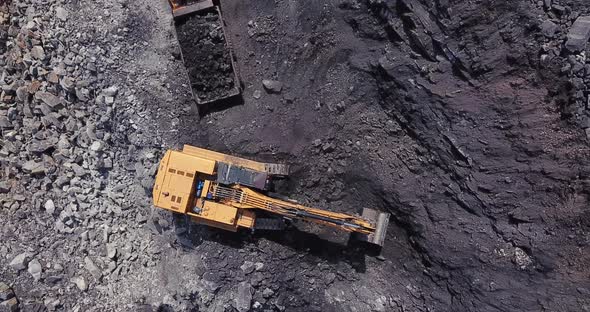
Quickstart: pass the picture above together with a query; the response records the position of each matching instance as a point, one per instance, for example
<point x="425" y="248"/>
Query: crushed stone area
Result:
<point x="468" y="121"/>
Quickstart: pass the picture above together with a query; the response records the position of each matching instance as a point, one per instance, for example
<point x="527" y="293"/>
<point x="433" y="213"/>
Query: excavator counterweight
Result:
<point x="226" y="192"/>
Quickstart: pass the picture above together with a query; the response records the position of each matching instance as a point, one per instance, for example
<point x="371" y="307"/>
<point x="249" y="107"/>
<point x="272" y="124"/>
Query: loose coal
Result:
<point x="206" y="56"/>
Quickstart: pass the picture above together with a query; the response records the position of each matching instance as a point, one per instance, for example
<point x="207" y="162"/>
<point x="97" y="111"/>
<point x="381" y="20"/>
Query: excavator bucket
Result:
<point x="380" y="221"/>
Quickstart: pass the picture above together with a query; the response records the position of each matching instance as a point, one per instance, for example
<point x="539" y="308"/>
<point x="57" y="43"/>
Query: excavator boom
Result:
<point x="226" y="192"/>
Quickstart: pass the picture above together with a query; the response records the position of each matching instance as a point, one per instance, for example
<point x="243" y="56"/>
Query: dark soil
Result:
<point x="206" y="56"/>
<point x="438" y="114"/>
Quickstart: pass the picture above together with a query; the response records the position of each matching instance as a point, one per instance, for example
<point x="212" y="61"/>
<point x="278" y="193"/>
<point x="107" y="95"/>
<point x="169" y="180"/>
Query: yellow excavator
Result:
<point x="226" y="192"/>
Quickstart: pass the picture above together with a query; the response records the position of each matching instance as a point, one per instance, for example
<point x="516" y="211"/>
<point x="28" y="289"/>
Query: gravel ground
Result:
<point x="466" y="120"/>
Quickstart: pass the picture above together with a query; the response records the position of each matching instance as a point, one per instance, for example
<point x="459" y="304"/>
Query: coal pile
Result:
<point x="206" y="56"/>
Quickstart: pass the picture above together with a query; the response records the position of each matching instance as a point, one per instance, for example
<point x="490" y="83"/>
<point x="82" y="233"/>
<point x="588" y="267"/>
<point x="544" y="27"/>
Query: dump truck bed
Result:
<point x="206" y="52"/>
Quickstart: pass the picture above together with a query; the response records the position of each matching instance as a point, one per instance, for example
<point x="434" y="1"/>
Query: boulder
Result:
<point x="549" y="29"/>
<point x="61" y="13"/>
<point x="34" y="167"/>
<point x="20" y="261"/>
<point x="80" y="283"/>
<point x="243" y="299"/>
<point x="35" y="269"/>
<point x="10" y="305"/>
<point x="38" y="52"/>
<point x="272" y="86"/>
<point x="54" y="102"/>
<point x="578" y="35"/>
<point x="5" y="292"/>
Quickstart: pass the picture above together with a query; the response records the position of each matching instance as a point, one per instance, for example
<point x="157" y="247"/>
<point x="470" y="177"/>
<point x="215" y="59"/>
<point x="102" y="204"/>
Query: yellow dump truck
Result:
<point x="226" y="192"/>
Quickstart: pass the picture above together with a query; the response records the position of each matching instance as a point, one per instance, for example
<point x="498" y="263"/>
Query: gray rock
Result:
<point x="549" y="29"/>
<point x="22" y="93"/>
<point x="5" y="292"/>
<point x="67" y="84"/>
<point x="267" y="293"/>
<point x="96" y="146"/>
<point x="10" y="305"/>
<point x="54" y="102"/>
<point x="243" y="299"/>
<point x="578" y="35"/>
<point x="547" y="4"/>
<point x="92" y="268"/>
<point x="328" y="147"/>
<point x="4" y="187"/>
<point x="248" y="267"/>
<point x="50" y="206"/>
<point x="34" y="168"/>
<point x="257" y="94"/>
<point x="210" y="286"/>
<point x="78" y="170"/>
<point x="82" y="94"/>
<point x="80" y="283"/>
<point x="41" y="146"/>
<point x="111" y="251"/>
<point x="61" y="13"/>
<point x="259" y="266"/>
<point x="38" y="52"/>
<point x="35" y="269"/>
<point x="272" y="86"/>
<point x="5" y="123"/>
<point x="110" y="91"/>
<point x="20" y="261"/>
<point x="558" y="9"/>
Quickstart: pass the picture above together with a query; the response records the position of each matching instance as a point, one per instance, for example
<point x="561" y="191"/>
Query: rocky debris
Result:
<point x="34" y="168"/>
<point x="80" y="283"/>
<point x="38" y="52"/>
<point x="5" y="292"/>
<point x="111" y="251"/>
<point x="92" y="268"/>
<point x="49" y="206"/>
<point x="4" y="187"/>
<point x="579" y="34"/>
<point x="257" y="94"/>
<point x="272" y="86"/>
<point x="20" y="262"/>
<point x="61" y="13"/>
<point x="248" y="267"/>
<point x="54" y="102"/>
<point x="549" y="29"/>
<point x="96" y="146"/>
<point x="521" y="258"/>
<point x="10" y="305"/>
<point x="267" y="293"/>
<point x="243" y="299"/>
<point x="35" y="269"/>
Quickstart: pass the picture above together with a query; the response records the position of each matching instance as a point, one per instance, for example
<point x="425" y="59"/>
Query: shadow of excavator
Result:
<point x="353" y="252"/>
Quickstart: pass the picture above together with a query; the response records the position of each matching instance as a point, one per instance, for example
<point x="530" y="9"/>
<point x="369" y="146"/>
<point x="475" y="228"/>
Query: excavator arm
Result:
<point x="245" y="198"/>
